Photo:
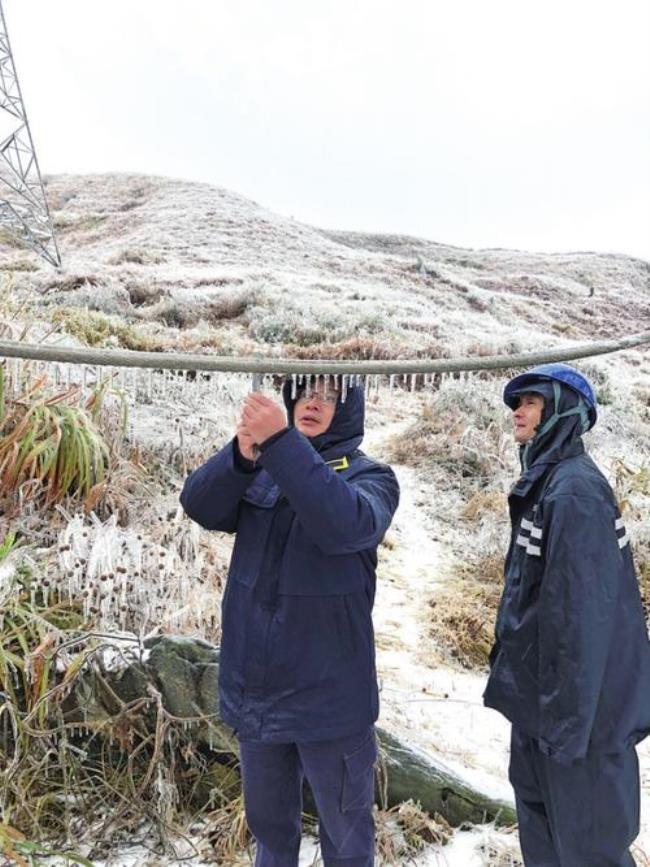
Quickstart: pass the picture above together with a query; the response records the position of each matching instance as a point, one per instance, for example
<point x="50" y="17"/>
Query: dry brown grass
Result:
<point x="632" y="488"/>
<point x="501" y="853"/>
<point x="403" y="831"/>
<point x="464" y="611"/>
<point x="484" y="502"/>
<point x="187" y="314"/>
<point x="642" y="562"/>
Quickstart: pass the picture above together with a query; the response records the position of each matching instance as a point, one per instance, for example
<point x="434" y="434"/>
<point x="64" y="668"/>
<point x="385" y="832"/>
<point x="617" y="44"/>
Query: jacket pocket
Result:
<point x="359" y="777"/>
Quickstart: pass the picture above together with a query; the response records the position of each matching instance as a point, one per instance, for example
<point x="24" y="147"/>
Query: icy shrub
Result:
<point x="51" y="445"/>
<point x="461" y="435"/>
<point x="137" y="256"/>
<point x="179" y="313"/>
<point x="312" y="325"/>
<point x="144" y="292"/>
<point x="19" y="265"/>
<point x="89" y="327"/>
<point x="104" y="738"/>
<point x="128" y="581"/>
<point x="97" y="329"/>
<point x="70" y="281"/>
<point x="65" y="222"/>
<point x="230" y="306"/>
<point x="354" y="348"/>
<point x="10" y="239"/>
<point x="292" y="327"/>
<point x="600" y="379"/>
<point x="109" y="298"/>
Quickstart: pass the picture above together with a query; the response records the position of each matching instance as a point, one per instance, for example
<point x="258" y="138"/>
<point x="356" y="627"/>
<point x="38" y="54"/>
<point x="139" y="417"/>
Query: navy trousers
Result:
<point x="340" y="774"/>
<point x="580" y="815"/>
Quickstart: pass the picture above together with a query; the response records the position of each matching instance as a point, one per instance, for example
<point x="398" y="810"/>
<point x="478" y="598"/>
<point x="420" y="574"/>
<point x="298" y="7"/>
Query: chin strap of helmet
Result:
<point x="580" y="409"/>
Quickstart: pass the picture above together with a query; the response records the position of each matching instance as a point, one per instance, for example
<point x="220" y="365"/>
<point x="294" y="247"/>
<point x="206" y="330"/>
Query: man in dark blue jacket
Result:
<point x="571" y="664"/>
<point x="297" y="671"/>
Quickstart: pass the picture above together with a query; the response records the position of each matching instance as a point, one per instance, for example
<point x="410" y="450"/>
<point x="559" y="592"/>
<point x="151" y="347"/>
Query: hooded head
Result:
<point x="569" y="410"/>
<point x="345" y="431"/>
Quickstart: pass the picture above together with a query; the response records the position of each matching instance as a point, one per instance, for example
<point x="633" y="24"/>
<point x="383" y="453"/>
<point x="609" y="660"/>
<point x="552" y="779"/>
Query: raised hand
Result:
<point x="262" y="417"/>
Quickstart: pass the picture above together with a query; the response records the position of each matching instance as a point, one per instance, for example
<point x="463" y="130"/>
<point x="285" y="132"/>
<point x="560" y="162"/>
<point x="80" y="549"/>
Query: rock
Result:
<point x="185" y="673"/>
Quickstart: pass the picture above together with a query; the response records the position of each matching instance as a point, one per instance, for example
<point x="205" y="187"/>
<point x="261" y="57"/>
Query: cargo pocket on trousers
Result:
<point x="359" y="776"/>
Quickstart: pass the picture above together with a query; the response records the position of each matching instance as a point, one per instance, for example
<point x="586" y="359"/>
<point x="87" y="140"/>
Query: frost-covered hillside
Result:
<point x="166" y="254"/>
<point x="151" y="263"/>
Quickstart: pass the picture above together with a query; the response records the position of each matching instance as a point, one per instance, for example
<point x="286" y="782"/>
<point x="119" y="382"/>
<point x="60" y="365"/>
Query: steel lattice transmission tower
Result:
<point x="24" y="213"/>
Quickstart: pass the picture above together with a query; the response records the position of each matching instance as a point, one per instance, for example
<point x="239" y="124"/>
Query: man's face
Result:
<point x="527" y="416"/>
<point x="313" y="415"/>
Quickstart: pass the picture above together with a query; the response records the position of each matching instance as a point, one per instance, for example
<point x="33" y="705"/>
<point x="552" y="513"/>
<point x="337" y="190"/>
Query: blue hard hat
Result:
<point x="556" y="372"/>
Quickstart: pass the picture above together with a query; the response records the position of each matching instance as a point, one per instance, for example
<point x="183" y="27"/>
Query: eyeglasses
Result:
<point x="326" y="397"/>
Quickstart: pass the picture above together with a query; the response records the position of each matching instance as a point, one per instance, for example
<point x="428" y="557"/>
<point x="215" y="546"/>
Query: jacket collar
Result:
<point x="533" y="474"/>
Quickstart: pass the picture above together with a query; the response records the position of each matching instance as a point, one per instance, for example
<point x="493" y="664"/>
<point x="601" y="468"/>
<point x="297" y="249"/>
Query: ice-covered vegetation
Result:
<point x="94" y="543"/>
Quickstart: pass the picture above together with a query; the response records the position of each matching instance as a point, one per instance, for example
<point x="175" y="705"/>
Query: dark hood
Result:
<point x="345" y="433"/>
<point x="562" y="439"/>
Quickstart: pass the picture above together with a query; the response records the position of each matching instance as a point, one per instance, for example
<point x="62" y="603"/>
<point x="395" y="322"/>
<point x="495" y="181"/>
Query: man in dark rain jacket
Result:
<point x="297" y="669"/>
<point x="571" y="664"/>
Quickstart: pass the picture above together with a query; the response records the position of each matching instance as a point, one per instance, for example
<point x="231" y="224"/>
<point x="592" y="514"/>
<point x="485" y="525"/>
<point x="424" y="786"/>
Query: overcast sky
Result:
<point x="472" y="122"/>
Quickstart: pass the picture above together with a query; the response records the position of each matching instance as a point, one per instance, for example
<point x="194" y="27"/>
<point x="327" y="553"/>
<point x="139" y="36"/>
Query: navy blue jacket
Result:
<point x="571" y="662"/>
<point x="297" y="647"/>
